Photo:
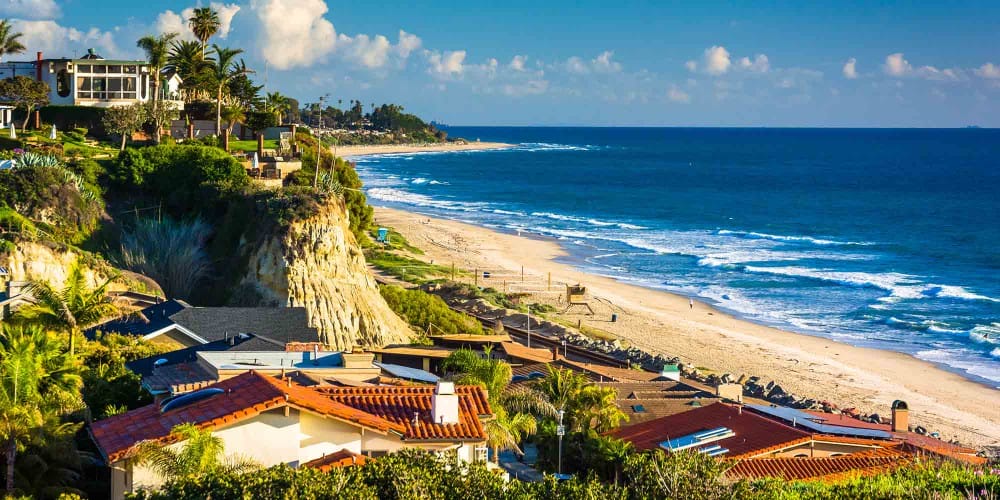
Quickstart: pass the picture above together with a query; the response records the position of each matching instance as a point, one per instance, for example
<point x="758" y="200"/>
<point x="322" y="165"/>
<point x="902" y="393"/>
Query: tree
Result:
<point x="277" y="104"/>
<point x="37" y="379"/>
<point x="72" y="308"/>
<point x="160" y="113"/>
<point x="233" y="115"/>
<point x="204" y="23"/>
<point x="188" y="60"/>
<point x="24" y="93"/>
<point x="10" y="41"/>
<point x="514" y="408"/>
<point x="224" y="68"/>
<point x="124" y="120"/>
<point x="157" y="50"/>
<point x="587" y="405"/>
<point x="201" y="455"/>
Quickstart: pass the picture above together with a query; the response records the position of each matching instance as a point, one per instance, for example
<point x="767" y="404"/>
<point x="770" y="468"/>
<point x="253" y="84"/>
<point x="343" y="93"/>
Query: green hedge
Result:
<point x="422" y="310"/>
<point x="72" y="117"/>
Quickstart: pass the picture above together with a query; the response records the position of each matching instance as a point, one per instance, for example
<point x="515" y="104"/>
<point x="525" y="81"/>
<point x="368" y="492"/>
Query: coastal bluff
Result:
<point x="315" y="262"/>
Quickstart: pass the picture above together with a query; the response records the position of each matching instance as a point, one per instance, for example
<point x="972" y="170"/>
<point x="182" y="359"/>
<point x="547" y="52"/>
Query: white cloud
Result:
<point x="408" y="42"/>
<point x="691" y="66"/>
<point x="896" y="66"/>
<point x="171" y="22"/>
<point x="447" y="65"/>
<point x="677" y="95"/>
<point x="29" y="9"/>
<point x="717" y="60"/>
<point x="293" y="33"/>
<point x="576" y="65"/>
<point x="760" y="64"/>
<point x="517" y="63"/>
<point x="55" y="40"/>
<point x="530" y="87"/>
<point x="850" y="69"/>
<point x="988" y="70"/>
<point x="368" y="52"/>
<point x="603" y="63"/>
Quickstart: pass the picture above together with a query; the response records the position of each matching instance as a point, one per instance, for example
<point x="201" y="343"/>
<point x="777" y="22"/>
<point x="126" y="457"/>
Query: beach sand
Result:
<point x="660" y="322"/>
<point x="349" y="151"/>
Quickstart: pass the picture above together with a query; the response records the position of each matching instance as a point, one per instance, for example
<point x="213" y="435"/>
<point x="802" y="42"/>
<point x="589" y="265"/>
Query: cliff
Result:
<point x="51" y="262"/>
<point x="316" y="263"/>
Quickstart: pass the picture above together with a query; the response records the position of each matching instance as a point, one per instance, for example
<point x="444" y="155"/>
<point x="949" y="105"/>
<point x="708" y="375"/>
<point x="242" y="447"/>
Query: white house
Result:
<point x="275" y="421"/>
<point x="92" y="80"/>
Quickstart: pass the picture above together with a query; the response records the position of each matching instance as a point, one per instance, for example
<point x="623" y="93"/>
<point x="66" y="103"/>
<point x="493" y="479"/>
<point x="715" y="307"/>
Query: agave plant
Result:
<point x="29" y="160"/>
<point x="328" y="183"/>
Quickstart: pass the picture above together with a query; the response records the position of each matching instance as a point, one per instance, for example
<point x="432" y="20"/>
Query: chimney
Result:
<point x="444" y="404"/>
<point x="38" y="67"/>
<point x="555" y="354"/>
<point x="900" y="416"/>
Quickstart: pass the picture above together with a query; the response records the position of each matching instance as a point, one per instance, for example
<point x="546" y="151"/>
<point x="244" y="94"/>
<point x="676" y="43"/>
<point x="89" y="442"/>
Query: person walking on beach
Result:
<point x="690" y="303"/>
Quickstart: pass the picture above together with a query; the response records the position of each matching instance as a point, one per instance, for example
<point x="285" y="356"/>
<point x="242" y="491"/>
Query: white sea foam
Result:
<point x="995" y="353"/>
<point x="400" y="196"/>
<point x="586" y="220"/>
<point x="964" y="359"/>
<point x="419" y="180"/>
<point x="776" y="237"/>
<point x="986" y="333"/>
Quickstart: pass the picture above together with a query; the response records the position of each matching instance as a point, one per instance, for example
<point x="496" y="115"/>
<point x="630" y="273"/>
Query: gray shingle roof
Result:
<point x="280" y="324"/>
<point x="143" y="322"/>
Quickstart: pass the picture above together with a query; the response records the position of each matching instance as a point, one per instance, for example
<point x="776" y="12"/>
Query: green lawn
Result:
<point x="252" y="145"/>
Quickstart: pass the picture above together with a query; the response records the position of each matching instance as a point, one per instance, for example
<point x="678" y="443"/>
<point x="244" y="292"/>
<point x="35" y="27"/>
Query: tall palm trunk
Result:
<point x="10" y="454"/>
<point x="218" y="112"/>
<point x="156" y="99"/>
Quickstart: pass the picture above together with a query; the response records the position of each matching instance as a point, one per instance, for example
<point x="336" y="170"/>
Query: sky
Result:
<point x="597" y="63"/>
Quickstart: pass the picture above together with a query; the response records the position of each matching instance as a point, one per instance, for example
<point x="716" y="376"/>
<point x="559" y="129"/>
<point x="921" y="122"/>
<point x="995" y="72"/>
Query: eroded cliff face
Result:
<point x="317" y="264"/>
<point x="50" y="263"/>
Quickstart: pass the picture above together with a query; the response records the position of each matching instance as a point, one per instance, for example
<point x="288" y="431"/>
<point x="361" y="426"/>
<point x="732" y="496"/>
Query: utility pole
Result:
<point x="529" y="326"/>
<point x="319" y="142"/>
<point x="560" y="430"/>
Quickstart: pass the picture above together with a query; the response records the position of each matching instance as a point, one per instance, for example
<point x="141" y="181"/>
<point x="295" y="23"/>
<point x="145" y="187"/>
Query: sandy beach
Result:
<point x="350" y="151"/>
<point x="660" y="322"/>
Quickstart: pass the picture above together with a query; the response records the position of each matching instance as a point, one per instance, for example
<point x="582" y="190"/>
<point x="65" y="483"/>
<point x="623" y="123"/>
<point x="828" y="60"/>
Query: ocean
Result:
<point x="873" y="237"/>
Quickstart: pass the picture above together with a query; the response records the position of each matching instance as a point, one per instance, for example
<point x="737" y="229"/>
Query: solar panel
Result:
<point x="408" y="373"/>
<point x="639" y="408"/>
<point x="183" y="400"/>
<point x="807" y="420"/>
<point x="698" y="439"/>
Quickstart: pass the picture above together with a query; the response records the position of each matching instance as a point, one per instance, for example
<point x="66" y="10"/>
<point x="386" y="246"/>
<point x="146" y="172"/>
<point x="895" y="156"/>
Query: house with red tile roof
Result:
<point x="275" y="421"/>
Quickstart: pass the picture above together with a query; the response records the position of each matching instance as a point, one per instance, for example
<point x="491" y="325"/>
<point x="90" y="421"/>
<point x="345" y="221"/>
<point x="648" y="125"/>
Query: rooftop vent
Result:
<point x="92" y="54"/>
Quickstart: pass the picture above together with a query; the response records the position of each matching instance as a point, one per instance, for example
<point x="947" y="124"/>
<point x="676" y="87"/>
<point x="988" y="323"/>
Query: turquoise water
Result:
<point x="878" y="238"/>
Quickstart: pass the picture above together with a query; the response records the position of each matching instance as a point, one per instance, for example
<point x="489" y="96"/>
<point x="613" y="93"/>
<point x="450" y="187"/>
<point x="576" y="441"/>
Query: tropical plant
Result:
<point x="72" y="308"/>
<point x="10" y="41"/>
<point x="157" y="50"/>
<point x="188" y="60"/>
<point x="224" y="68"/>
<point x="201" y="455"/>
<point x="277" y="104"/>
<point x="170" y="252"/>
<point x="587" y="406"/>
<point x="233" y="115"/>
<point x="24" y="93"/>
<point x="124" y="120"/>
<point x="160" y="113"/>
<point x="204" y="22"/>
<point x="515" y="409"/>
<point x="37" y="380"/>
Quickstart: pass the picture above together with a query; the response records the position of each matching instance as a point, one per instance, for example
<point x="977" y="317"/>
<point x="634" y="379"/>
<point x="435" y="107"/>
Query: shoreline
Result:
<point x="662" y="322"/>
<point x="348" y="152"/>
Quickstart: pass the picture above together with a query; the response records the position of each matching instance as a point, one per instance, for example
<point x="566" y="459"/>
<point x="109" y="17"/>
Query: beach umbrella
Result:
<point x="13" y="133"/>
<point x="52" y="134"/>
<point x="255" y="163"/>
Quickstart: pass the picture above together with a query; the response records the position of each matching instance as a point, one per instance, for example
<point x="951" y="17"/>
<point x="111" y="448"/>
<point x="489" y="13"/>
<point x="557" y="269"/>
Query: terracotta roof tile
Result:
<point x="827" y="468"/>
<point x="753" y="432"/>
<point x="382" y="408"/>
<point x="335" y="460"/>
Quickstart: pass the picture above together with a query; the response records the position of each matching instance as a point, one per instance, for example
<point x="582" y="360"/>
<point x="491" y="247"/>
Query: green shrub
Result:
<point x="75" y="117"/>
<point x="53" y="194"/>
<point x="424" y="311"/>
<point x="170" y="252"/>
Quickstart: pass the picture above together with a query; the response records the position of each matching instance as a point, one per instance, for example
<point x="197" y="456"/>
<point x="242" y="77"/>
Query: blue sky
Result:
<point x="697" y="63"/>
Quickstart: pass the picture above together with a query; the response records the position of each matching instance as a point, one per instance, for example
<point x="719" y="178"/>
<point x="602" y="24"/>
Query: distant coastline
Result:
<point x="382" y="149"/>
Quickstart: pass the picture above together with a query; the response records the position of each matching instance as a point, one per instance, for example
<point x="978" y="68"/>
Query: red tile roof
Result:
<point x="827" y="468"/>
<point x="388" y="409"/>
<point x="753" y="432"/>
<point x="525" y="353"/>
<point x="335" y="460"/>
<point x="848" y="421"/>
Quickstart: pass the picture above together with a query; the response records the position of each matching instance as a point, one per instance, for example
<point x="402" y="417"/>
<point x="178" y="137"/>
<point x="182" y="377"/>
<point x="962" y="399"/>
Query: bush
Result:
<point x="170" y="252"/>
<point x="49" y="193"/>
<point x="425" y="311"/>
<point x="87" y="118"/>
<point x="189" y="179"/>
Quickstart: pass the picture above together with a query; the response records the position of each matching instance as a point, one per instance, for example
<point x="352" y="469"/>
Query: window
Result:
<point x="142" y="86"/>
<point x="62" y="83"/>
<point x="376" y="453"/>
<point x="115" y="69"/>
<point x="84" y="68"/>
<point x="482" y="454"/>
<point x="83" y="87"/>
<point x="130" y="69"/>
<point x="639" y="408"/>
<point x="100" y="69"/>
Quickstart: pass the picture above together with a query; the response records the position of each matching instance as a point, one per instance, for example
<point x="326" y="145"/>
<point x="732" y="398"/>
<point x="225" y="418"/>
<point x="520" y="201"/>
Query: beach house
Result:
<point x="92" y="81"/>
<point x="274" y="421"/>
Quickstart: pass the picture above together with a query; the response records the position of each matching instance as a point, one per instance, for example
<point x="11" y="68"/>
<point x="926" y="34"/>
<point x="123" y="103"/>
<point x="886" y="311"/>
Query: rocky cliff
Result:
<point x="51" y="263"/>
<point x="317" y="264"/>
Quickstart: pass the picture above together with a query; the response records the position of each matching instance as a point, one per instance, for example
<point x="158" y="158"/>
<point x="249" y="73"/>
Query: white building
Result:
<point x="94" y="81"/>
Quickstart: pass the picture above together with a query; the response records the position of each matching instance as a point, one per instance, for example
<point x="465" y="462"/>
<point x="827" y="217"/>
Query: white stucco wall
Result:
<point x="320" y="436"/>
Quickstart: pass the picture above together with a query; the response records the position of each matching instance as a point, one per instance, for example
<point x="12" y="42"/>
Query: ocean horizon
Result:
<point x="881" y="238"/>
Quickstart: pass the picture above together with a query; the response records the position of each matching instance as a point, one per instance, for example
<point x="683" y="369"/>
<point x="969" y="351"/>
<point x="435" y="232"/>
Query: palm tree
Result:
<point x="202" y="454"/>
<point x="204" y="23"/>
<point x="233" y="115"/>
<point x="157" y="50"/>
<point x="224" y="68"/>
<point x="515" y="409"/>
<point x="10" y="42"/>
<point x="36" y="379"/>
<point x="588" y="406"/>
<point x="277" y="104"/>
<point x="188" y="61"/>
<point x="72" y="308"/>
